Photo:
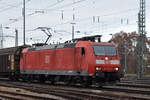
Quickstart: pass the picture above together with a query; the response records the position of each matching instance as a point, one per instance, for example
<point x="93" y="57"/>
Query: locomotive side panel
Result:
<point x="65" y="59"/>
<point x="32" y="60"/>
<point x="46" y="59"/>
<point x="78" y="59"/>
<point x="55" y="61"/>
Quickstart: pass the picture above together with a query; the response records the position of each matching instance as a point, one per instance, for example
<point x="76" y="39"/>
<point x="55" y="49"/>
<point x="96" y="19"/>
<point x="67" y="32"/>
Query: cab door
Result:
<point x="79" y="54"/>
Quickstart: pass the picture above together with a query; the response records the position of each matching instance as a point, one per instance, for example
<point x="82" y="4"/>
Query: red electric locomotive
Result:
<point x="82" y="62"/>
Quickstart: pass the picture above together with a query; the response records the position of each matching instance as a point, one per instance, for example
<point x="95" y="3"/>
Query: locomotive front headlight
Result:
<point x="116" y="68"/>
<point x="98" y="68"/>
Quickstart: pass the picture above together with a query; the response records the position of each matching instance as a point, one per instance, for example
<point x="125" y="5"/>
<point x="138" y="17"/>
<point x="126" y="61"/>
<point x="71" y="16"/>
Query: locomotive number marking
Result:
<point x="47" y="59"/>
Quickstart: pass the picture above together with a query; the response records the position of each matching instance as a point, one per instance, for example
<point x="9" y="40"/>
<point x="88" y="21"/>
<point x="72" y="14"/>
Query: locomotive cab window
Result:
<point x="110" y="51"/>
<point x="99" y="50"/>
<point x="82" y="51"/>
<point x="105" y="50"/>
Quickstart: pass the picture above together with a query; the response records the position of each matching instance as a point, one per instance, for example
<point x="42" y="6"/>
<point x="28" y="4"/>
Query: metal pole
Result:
<point x="16" y="37"/>
<point x="2" y="37"/>
<point x="24" y="22"/>
<point x="125" y="58"/>
<point x="73" y="30"/>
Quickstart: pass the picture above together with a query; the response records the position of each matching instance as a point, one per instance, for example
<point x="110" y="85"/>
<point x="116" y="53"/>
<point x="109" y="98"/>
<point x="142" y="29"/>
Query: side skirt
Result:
<point x="53" y="72"/>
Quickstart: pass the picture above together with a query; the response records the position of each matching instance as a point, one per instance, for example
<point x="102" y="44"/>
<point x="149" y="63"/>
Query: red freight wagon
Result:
<point x="83" y="61"/>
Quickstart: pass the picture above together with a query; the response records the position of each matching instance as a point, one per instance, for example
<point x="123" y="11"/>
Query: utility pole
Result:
<point x="141" y="46"/>
<point x="23" y="13"/>
<point x="16" y="37"/>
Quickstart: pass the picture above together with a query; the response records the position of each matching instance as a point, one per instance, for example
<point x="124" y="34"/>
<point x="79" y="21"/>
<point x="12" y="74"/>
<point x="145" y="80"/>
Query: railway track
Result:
<point x="61" y="92"/>
<point x="127" y="90"/>
<point x="134" y="85"/>
<point x="11" y="95"/>
<point x="68" y="92"/>
<point x="136" y="81"/>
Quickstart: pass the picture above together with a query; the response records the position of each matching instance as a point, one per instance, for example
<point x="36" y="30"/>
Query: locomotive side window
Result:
<point x="82" y="51"/>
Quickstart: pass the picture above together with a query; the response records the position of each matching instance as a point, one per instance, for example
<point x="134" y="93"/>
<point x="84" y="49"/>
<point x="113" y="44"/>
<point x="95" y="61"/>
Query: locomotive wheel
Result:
<point x="42" y="78"/>
<point x="11" y="78"/>
<point x="68" y="80"/>
<point x="86" y="81"/>
<point x="30" y="78"/>
<point x="52" y="79"/>
<point x="24" y="78"/>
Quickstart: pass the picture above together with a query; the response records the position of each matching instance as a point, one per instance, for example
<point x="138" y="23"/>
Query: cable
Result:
<point x="8" y="5"/>
<point x="12" y="6"/>
<point x="48" y="6"/>
<point x="105" y="15"/>
<point x="67" y="5"/>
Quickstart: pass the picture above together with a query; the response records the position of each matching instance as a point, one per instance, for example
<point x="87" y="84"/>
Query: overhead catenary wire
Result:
<point x="50" y="6"/>
<point x="10" y="7"/>
<point x="88" y="18"/>
<point x="31" y="14"/>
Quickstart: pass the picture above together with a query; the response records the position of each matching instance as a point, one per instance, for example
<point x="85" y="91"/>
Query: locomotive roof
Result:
<point x="53" y="46"/>
<point x="103" y="43"/>
<point x="81" y="43"/>
<point x="93" y="38"/>
<point x="66" y="45"/>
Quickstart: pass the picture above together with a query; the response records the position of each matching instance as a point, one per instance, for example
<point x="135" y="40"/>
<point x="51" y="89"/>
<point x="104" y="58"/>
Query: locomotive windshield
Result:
<point x="105" y="50"/>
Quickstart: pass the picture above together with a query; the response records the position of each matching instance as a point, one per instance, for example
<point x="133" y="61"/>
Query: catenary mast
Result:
<point x="141" y="45"/>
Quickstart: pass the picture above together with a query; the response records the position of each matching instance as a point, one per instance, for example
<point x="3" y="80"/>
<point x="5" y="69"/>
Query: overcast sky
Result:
<point x="48" y="13"/>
